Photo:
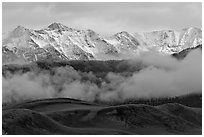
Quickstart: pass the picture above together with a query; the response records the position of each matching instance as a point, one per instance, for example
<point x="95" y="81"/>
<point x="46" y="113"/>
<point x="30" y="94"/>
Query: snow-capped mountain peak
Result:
<point x="57" y="42"/>
<point x="20" y="30"/>
<point x="58" y="26"/>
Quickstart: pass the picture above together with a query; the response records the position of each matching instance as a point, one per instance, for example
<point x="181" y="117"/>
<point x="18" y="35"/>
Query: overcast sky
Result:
<point x="104" y="18"/>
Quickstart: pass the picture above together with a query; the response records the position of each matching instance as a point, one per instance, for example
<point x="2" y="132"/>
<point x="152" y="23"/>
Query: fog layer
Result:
<point x="164" y="77"/>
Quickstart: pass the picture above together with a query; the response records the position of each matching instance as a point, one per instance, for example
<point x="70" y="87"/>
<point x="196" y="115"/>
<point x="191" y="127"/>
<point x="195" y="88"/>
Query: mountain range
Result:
<point x="59" y="42"/>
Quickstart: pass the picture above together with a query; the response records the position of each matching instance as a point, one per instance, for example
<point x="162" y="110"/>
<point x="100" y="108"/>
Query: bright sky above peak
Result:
<point x="104" y="18"/>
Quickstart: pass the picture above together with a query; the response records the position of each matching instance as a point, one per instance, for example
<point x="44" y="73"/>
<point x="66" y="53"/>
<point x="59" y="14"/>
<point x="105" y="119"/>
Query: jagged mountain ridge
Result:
<point x="59" y="42"/>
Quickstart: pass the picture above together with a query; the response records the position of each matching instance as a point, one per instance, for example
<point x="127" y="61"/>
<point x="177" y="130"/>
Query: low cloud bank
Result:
<point x="164" y="77"/>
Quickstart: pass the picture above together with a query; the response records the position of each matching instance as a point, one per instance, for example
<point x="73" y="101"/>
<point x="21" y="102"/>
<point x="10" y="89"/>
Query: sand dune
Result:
<point x="71" y="116"/>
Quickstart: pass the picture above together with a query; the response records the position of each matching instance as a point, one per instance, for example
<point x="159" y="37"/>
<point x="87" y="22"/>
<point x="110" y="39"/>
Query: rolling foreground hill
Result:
<point x="71" y="116"/>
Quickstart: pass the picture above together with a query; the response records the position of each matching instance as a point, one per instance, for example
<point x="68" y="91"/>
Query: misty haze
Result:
<point x="101" y="68"/>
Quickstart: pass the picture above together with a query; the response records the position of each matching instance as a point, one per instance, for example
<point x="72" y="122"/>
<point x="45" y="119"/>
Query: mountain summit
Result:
<point x="57" y="26"/>
<point x="59" y="42"/>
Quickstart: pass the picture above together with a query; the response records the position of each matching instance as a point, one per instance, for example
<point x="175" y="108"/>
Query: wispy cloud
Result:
<point x="105" y="18"/>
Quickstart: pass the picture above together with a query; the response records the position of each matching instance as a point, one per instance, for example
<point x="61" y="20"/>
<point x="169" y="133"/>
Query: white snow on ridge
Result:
<point x="75" y="44"/>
